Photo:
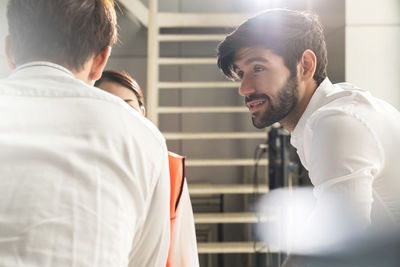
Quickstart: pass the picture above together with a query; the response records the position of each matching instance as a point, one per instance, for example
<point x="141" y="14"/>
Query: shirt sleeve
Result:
<point x="344" y="156"/>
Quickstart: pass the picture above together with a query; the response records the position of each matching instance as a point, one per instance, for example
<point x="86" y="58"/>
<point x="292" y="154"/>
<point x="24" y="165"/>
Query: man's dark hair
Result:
<point x="287" y="33"/>
<point x="67" y="32"/>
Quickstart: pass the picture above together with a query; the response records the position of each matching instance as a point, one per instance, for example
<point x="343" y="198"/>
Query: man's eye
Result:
<point x="258" y="68"/>
<point x="240" y="74"/>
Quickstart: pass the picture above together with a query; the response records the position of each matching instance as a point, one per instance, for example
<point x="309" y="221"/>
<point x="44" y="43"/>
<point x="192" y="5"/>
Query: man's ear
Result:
<point x="9" y="54"/>
<point x="99" y="62"/>
<point x="308" y="64"/>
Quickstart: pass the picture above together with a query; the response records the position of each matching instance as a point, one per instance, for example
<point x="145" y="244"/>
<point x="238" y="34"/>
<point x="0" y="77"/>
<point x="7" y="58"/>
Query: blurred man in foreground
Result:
<point x="84" y="178"/>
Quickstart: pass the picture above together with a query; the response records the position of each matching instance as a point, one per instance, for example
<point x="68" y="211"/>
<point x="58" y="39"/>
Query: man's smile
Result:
<point x="255" y="103"/>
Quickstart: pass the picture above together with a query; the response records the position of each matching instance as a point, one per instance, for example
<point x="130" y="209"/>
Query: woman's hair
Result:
<point x="122" y="79"/>
<point x="286" y="33"/>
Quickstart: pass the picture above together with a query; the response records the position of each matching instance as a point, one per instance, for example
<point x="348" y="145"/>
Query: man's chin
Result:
<point x="259" y="123"/>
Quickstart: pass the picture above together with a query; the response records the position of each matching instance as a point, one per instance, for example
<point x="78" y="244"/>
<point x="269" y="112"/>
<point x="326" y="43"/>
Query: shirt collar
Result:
<point x="39" y="65"/>
<point x="316" y="101"/>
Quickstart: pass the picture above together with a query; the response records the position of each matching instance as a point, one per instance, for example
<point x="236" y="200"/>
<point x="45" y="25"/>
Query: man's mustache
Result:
<point x="255" y="97"/>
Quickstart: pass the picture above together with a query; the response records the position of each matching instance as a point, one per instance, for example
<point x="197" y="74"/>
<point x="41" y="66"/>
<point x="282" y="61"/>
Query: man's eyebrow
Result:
<point x="255" y="59"/>
<point x="249" y="61"/>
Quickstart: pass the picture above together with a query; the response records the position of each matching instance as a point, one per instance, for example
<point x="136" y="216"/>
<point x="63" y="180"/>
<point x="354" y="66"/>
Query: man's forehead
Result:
<point x="246" y="55"/>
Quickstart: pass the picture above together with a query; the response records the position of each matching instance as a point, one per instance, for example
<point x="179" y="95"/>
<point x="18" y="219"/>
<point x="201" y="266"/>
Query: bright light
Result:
<point x="300" y="225"/>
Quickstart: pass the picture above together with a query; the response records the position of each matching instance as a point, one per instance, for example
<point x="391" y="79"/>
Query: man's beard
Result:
<point x="287" y="100"/>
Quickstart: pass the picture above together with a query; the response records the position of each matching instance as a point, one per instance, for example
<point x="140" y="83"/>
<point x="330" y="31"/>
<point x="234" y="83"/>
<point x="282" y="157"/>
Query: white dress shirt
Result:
<point x="349" y="141"/>
<point x="84" y="178"/>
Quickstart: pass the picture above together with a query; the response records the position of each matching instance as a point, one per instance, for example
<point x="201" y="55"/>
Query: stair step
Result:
<point x="206" y="189"/>
<point x="224" y="162"/>
<point x="231" y="217"/>
<point x="187" y="61"/>
<point x="233" y="247"/>
<point x="177" y="110"/>
<point x="192" y="85"/>
<point x="200" y="20"/>
<point x="190" y="37"/>
<point x="136" y="10"/>
<point x="215" y="135"/>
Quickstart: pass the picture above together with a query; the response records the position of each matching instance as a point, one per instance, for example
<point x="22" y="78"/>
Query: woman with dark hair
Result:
<point x="123" y="86"/>
<point x="183" y="247"/>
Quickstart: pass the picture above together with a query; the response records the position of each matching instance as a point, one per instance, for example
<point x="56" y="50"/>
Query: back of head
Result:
<point x="285" y="32"/>
<point x="66" y="32"/>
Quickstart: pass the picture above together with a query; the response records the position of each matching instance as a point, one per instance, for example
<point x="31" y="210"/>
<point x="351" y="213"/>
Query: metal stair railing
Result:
<point x="157" y="21"/>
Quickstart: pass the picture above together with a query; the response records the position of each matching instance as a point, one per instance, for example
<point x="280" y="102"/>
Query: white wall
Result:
<point x="373" y="47"/>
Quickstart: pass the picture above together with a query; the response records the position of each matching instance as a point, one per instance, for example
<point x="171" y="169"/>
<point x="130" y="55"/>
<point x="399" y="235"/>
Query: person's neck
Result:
<point x="305" y="95"/>
<point x="83" y="74"/>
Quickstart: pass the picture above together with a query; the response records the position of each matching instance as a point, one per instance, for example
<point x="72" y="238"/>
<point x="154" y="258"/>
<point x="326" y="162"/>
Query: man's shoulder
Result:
<point x="346" y="99"/>
<point x="96" y="108"/>
<point x="113" y="112"/>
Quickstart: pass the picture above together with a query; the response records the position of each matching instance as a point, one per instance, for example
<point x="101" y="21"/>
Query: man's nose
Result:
<point x="246" y="87"/>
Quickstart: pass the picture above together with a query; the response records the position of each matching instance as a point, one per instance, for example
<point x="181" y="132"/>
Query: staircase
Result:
<point x="184" y="28"/>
